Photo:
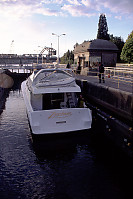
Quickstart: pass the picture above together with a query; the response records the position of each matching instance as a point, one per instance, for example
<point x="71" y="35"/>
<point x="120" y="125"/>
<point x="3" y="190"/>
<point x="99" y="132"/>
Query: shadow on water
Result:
<point x="59" y="146"/>
<point x="4" y="94"/>
<point x="94" y="163"/>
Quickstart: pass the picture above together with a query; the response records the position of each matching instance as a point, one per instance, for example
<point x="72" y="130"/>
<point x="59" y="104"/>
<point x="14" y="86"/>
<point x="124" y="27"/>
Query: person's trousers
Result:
<point x="101" y="77"/>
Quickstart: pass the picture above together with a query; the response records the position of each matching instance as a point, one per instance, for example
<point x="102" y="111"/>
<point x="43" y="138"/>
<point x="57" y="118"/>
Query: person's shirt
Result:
<point x="81" y="104"/>
<point x="101" y="68"/>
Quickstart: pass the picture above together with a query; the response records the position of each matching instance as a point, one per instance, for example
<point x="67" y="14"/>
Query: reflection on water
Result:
<point x="72" y="167"/>
<point x="4" y="93"/>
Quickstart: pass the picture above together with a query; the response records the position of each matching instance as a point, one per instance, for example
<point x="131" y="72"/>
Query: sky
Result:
<point x="27" y="25"/>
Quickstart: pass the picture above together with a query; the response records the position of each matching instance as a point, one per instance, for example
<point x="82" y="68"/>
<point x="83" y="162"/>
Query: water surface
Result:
<point x="74" y="167"/>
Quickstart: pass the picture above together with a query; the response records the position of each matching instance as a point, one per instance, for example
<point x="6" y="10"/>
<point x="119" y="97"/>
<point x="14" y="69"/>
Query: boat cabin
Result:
<point x="49" y="101"/>
<point x="53" y="89"/>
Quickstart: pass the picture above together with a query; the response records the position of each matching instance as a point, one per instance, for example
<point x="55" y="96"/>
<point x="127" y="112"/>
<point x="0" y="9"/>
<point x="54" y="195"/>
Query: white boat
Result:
<point x="50" y="96"/>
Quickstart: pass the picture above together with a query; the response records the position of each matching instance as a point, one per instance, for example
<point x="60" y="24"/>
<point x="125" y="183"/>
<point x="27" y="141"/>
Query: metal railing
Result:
<point x="18" y="68"/>
<point x="122" y="74"/>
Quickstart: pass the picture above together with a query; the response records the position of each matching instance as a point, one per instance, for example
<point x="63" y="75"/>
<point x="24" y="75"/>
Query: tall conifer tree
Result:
<point x="102" y="28"/>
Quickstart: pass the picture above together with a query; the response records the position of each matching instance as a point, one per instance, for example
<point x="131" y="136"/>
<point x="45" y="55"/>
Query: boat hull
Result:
<point x="55" y="121"/>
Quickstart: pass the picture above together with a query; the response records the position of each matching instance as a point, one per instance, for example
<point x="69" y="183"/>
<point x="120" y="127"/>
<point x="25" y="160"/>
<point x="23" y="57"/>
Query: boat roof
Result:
<point x="53" y="81"/>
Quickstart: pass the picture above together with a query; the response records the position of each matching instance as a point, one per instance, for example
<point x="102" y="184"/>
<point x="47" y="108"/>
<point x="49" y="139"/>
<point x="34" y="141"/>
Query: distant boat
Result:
<point x="50" y="96"/>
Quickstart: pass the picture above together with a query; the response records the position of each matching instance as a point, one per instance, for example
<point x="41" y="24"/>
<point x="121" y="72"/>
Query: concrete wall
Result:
<point x="116" y="101"/>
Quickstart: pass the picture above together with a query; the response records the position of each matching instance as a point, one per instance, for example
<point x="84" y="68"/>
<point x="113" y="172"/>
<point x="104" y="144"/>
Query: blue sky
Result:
<point x="30" y="23"/>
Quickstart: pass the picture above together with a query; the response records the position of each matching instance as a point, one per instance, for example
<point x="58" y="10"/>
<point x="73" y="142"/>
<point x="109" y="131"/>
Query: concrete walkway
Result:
<point x="109" y="82"/>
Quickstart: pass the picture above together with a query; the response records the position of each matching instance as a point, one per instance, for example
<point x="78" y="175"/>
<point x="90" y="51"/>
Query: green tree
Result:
<point x="67" y="57"/>
<point x="127" y="50"/>
<point x="130" y="36"/>
<point x="119" y="42"/>
<point x="102" y="28"/>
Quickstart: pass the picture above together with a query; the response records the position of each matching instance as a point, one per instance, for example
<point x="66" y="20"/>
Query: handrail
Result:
<point x="118" y="74"/>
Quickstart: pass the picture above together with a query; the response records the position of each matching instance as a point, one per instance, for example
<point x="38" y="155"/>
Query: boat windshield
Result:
<point x="51" y="75"/>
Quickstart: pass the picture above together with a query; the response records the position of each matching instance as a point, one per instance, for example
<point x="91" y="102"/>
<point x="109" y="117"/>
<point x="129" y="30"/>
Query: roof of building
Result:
<point x="96" y="44"/>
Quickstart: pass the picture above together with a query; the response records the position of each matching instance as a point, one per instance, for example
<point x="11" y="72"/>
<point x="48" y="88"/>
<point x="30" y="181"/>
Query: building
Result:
<point x="90" y="53"/>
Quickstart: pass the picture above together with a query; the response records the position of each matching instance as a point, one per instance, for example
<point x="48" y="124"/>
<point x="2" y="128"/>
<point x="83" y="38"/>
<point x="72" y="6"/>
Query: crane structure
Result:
<point x="51" y="51"/>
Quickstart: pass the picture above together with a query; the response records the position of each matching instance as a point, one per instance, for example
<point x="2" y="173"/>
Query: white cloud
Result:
<point x="74" y="2"/>
<point x="118" y="17"/>
<point x="53" y="1"/>
<point x="77" y="11"/>
<point x="15" y="12"/>
<point x="119" y="6"/>
<point x="22" y="9"/>
<point x="25" y="8"/>
<point x="86" y="2"/>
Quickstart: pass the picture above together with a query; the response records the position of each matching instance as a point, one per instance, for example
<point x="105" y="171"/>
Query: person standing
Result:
<point x="68" y="65"/>
<point x="101" y="73"/>
<point x="79" y="68"/>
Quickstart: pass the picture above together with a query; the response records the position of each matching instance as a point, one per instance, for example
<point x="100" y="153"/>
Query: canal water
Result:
<point x="74" y="167"/>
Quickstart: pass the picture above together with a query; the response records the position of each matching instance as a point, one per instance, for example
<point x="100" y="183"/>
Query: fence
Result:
<point x="119" y="74"/>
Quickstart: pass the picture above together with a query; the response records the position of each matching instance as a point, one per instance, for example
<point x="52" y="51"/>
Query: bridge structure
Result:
<point x="42" y="57"/>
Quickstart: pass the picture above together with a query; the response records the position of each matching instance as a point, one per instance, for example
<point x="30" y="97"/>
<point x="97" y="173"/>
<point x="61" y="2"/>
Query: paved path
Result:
<point x="109" y="82"/>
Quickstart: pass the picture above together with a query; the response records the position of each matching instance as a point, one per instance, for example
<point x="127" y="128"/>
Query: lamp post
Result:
<point x="37" y="53"/>
<point x="58" y="43"/>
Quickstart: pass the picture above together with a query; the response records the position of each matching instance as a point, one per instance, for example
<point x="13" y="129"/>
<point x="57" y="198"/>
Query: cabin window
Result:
<point x="52" y="100"/>
<point x="57" y="98"/>
<point x="47" y="101"/>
